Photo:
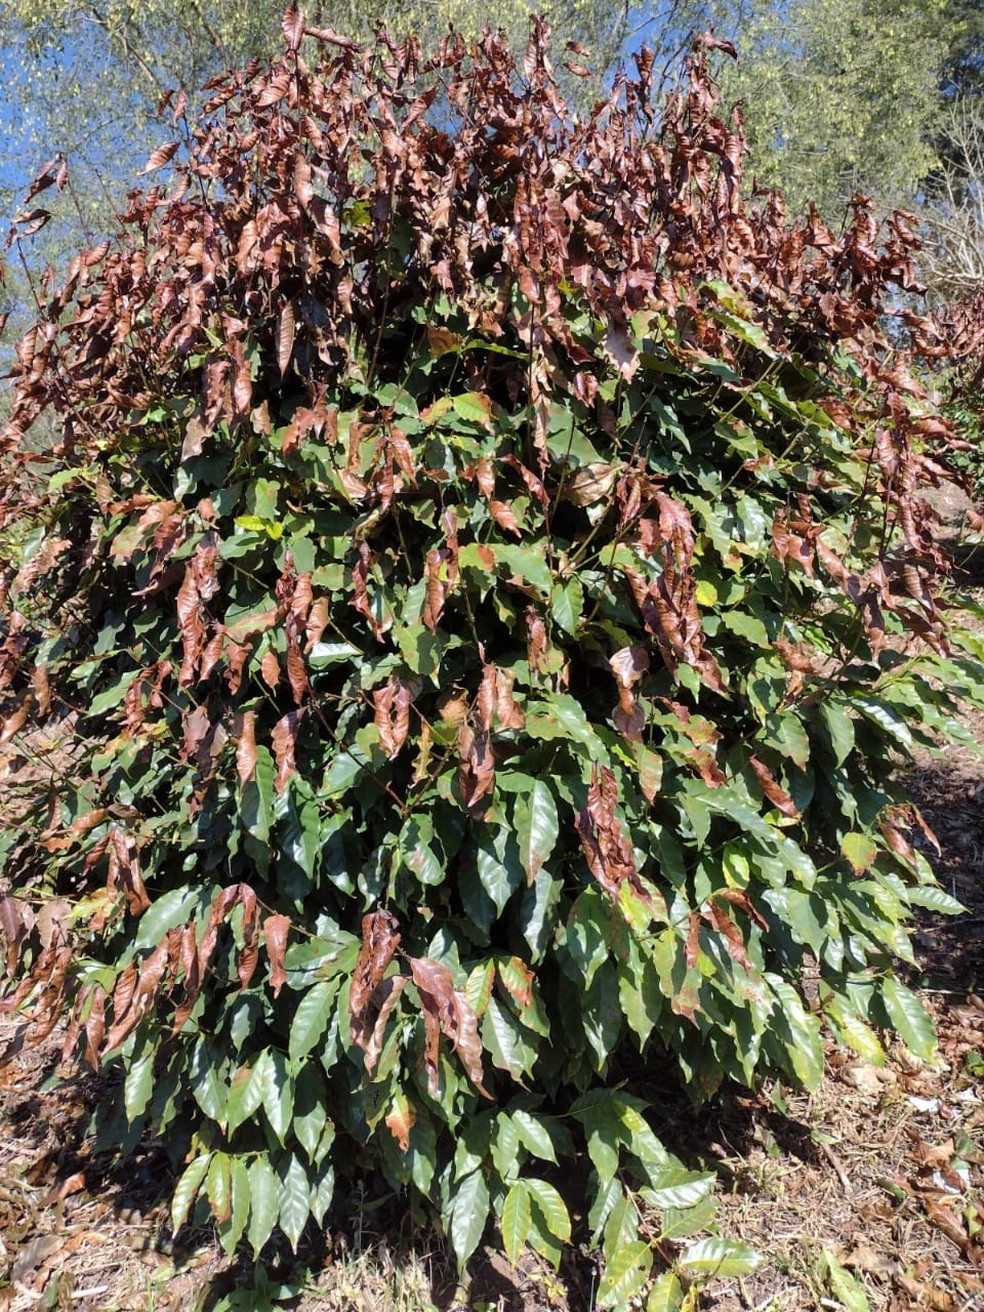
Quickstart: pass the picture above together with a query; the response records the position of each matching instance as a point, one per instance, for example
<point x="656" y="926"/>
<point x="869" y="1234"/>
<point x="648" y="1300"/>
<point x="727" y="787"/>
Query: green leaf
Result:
<point x="840" y="730"/>
<point x="552" y="1208"/>
<point x="264" y="1193"/>
<point x="537" y="828"/>
<point x="603" y="1133"/>
<point x="473" y="406"/>
<point x="311" y="1019"/>
<point x="682" y="1222"/>
<point x="927" y="895"/>
<point x="170" y="910"/>
<point x="278" y="1095"/>
<point x="206" y="1082"/>
<point x="469" y="1213"/>
<point x="234" y="1229"/>
<point x="533" y="1136"/>
<point x="860" y="851"/>
<point x="799" y="1032"/>
<point x="719" y="1257"/>
<point x="294" y="1200"/>
<point x="909" y="1018"/>
<point x="516" y="1217"/>
<point x="245" y="1093"/>
<point x="666" y="1294"/>
<point x="218" y="1186"/>
<point x="186" y="1190"/>
<point x="887" y="718"/>
<point x="675" y="1186"/>
<point x="505" y="1147"/>
<point x="310" y="1113"/>
<point x="506" y="1041"/>
<point x="625" y="1275"/>
<point x="567" y="605"/>
<point x="138" y="1085"/>
<point x="844" y="1286"/>
<point x="322" y="1192"/>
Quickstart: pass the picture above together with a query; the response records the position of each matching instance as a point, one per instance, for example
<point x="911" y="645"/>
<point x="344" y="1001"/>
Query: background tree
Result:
<point x="840" y="95"/>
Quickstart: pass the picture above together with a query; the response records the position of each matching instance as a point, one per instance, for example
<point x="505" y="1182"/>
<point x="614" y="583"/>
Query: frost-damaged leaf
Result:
<point x="53" y="174"/>
<point x="284" y="742"/>
<point x="773" y="790"/>
<point x="161" y="156"/>
<point x="16" y="922"/>
<point x="399" y="1120"/>
<point x="285" y="337"/>
<point x="246" y="747"/>
<point x="380" y="939"/>
<point x="392" y="717"/>
<point x="384" y="999"/>
<point x="292" y="25"/>
<point x="729" y="931"/>
<point x="446" y="1011"/>
<point x="476" y="766"/>
<point x="275" y="931"/>
<point x="124" y="868"/>
<point x="606" y="847"/>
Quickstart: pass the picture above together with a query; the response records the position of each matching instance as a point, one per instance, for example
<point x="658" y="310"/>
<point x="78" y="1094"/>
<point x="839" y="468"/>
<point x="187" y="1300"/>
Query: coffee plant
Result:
<point x="480" y="582"/>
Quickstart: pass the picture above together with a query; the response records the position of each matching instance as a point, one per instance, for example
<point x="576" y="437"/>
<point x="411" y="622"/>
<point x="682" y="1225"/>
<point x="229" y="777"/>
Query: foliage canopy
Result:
<point x="481" y="559"/>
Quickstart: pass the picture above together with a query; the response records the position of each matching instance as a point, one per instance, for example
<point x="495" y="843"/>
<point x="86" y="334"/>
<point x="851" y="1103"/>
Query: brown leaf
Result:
<point x="476" y="766"/>
<point x="274" y="90"/>
<point x="505" y="518"/>
<point x="270" y="668"/>
<point x="161" y="156"/>
<point x="380" y="940"/>
<point x="730" y="932"/>
<point x="399" y="1120"/>
<point x="773" y="790"/>
<point x="275" y="931"/>
<point x="384" y="999"/>
<point x="284" y="337"/>
<point x="54" y="173"/>
<point x="284" y="742"/>
<point x="292" y="25"/>
<point x="537" y="645"/>
<point x="246" y="747"/>
<point x="392" y="718"/>
<point x="446" y="1011"/>
<point x="16" y="922"/>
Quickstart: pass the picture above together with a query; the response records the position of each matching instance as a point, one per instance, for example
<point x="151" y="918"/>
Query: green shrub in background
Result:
<point x="483" y="562"/>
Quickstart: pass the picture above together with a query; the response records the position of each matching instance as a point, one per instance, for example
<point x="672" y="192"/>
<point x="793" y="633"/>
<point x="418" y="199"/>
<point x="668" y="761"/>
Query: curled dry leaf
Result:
<point x="284" y="743"/>
<point x="446" y="1011"/>
<point x="246" y="747"/>
<point x="275" y="931"/>
<point x="773" y="790"/>
<point x="161" y="156"/>
<point x="476" y="766"/>
<point x="380" y="939"/>
<point x="392" y="714"/>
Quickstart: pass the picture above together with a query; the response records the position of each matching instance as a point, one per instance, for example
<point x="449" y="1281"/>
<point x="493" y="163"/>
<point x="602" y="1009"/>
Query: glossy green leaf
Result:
<point x="515" y="1223"/>
<point x="552" y="1207"/>
<point x="537" y="827"/>
<point x="666" y="1294"/>
<point x="469" y="1213"/>
<point x="715" y="1256"/>
<point x="625" y="1275"/>
<point x="294" y="1199"/>
<point x="186" y="1190"/>
<point x="311" y="1019"/>
<point x="909" y="1018"/>
<point x="264" y="1193"/>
